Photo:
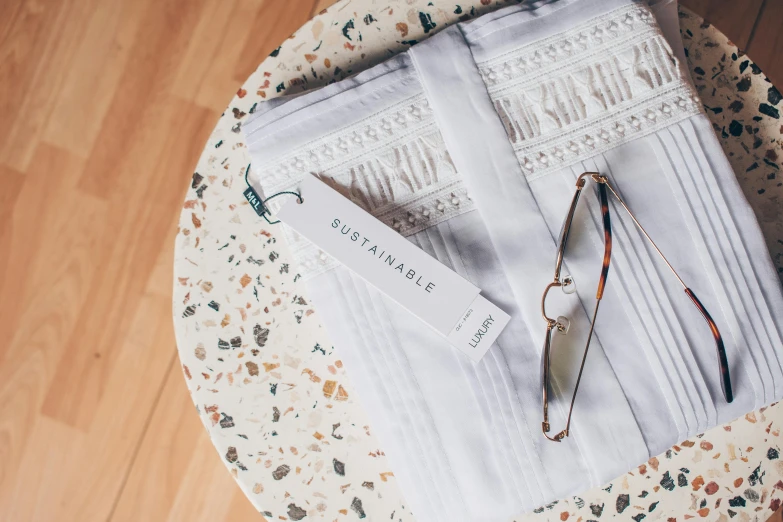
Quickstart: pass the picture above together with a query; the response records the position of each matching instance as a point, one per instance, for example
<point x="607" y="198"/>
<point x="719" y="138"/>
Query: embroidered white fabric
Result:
<point x="562" y="99"/>
<point x="470" y="144"/>
<point x="393" y="164"/>
<point x="576" y="94"/>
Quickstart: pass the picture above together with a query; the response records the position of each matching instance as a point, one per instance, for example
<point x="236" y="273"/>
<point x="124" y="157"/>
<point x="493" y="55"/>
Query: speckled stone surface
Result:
<point x="269" y="385"/>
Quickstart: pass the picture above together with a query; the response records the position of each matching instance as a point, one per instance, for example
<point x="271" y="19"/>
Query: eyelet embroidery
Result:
<point x="580" y="93"/>
<point x="394" y="165"/>
<point x="562" y="100"/>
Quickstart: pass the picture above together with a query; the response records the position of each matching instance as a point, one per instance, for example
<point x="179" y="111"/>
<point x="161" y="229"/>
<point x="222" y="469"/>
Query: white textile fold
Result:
<point x="470" y="144"/>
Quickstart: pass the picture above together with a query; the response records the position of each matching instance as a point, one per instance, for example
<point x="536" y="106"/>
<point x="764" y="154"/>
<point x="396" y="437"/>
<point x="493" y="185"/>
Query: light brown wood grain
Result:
<point x="56" y="450"/>
<point x="94" y="413"/>
<point x="219" y="84"/>
<point x="10" y="261"/>
<point x="26" y="50"/>
<point x="177" y="445"/>
<point x="106" y="34"/>
<point x="241" y="510"/>
<point x="735" y="19"/>
<point x="207" y="491"/>
<point x="208" y="54"/>
<point x="49" y="269"/>
<point x="165" y="453"/>
<point x="104" y="108"/>
<point x="766" y="44"/>
<point x="140" y="113"/>
<point x="322" y="5"/>
<point x="271" y="26"/>
<point x="131" y="243"/>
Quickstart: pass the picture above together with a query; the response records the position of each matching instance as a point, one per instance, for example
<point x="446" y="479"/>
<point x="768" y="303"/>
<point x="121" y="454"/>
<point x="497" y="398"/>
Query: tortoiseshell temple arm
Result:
<point x="607" y="222"/>
<point x="607" y="240"/>
<point x="603" y="196"/>
<point x="723" y="362"/>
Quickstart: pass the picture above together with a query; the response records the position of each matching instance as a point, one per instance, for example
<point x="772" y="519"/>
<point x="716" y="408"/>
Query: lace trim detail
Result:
<point x="592" y="37"/>
<point x="394" y="165"/>
<point x="577" y="94"/>
<point x="562" y="100"/>
<point x="618" y="127"/>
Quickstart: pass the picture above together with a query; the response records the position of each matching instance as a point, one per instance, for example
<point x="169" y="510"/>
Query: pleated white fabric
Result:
<point x="470" y="145"/>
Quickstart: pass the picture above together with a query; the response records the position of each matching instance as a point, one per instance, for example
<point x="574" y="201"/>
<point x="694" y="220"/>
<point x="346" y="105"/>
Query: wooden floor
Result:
<point x="95" y="420"/>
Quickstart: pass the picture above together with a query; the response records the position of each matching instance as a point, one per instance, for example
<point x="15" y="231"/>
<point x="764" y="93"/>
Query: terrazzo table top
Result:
<point x="269" y="385"/>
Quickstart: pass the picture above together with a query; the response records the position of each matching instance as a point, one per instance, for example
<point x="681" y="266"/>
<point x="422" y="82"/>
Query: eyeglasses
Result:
<point x="566" y="283"/>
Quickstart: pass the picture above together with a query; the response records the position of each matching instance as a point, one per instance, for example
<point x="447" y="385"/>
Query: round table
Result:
<point x="270" y="387"/>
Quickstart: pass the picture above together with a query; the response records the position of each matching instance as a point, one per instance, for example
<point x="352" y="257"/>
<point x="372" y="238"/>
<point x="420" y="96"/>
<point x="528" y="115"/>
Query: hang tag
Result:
<point x="254" y="199"/>
<point x="395" y="266"/>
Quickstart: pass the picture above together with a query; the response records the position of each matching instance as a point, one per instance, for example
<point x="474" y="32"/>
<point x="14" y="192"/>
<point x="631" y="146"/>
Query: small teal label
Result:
<point x="254" y="199"/>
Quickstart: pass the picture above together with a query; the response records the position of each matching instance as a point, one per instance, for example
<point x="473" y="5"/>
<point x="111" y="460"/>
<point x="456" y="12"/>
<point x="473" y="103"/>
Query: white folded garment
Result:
<point x="469" y="145"/>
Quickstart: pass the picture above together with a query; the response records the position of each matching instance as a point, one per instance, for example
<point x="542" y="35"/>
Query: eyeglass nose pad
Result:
<point x="569" y="285"/>
<point x="563" y="324"/>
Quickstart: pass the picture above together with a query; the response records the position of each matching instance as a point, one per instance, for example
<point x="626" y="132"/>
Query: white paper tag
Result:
<point x="395" y="266"/>
<point x="478" y="327"/>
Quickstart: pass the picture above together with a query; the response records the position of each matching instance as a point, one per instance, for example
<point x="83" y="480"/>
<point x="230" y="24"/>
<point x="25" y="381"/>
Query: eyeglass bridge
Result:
<point x="562" y="323"/>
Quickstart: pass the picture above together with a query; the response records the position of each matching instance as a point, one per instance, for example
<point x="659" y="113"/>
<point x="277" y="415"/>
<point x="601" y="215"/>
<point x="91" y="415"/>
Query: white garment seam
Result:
<point x="326" y="111"/>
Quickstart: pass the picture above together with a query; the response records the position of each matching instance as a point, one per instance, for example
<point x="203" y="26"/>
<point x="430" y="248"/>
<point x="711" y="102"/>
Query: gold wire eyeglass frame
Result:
<point x="560" y="324"/>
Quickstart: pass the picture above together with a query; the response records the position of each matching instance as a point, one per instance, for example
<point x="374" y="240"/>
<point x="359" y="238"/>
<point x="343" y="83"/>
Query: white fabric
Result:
<point x="470" y="144"/>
